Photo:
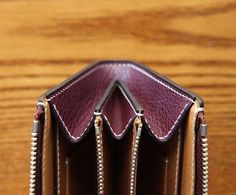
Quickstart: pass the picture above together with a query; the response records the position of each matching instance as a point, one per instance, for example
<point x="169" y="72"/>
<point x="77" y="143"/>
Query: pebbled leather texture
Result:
<point x="164" y="104"/>
<point x="118" y="112"/>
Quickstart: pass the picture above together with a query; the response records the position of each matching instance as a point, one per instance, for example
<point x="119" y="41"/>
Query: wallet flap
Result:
<point x="74" y="101"/>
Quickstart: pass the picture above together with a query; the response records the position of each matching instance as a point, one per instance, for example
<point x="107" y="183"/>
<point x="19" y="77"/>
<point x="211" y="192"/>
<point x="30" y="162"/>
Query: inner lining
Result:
<point x="157" y="161"/>
<point x="118" y="112"/>
<point x="157" y="171"/>
<point x="158" y="167"/>
<point x="75" y="100"/>
<point x="117" y="156"/>
<point x="77" y="165"/>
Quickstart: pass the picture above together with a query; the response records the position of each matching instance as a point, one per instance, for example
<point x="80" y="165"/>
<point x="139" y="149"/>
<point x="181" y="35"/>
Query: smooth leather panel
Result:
<point x="164" y="104"/>
<point x="48" y="154"/>
<point x="188" y="164"/>
<point x="174" y="158"/>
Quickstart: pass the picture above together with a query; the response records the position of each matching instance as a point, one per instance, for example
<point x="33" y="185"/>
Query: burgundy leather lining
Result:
<point x="164" y="105"/>
<point x="118" y="112"/>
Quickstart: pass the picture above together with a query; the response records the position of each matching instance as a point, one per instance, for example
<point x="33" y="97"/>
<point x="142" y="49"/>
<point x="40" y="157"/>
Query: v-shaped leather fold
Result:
<point x="165" y="103"/>
<point x="118" y="113"/>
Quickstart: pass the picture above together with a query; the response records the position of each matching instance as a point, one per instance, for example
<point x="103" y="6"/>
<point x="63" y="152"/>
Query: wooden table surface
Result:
<point x="43" y="42"/>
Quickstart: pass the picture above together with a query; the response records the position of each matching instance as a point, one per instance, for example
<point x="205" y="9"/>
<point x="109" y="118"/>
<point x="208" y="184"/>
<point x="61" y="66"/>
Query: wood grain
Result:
<point x="43" y="42"/>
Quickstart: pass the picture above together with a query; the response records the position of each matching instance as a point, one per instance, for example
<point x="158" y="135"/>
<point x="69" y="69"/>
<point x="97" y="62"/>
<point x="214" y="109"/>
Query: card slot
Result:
<point x="117" y="160"/>
<point x="77" y="167"/>
<point x="157" y="171"/>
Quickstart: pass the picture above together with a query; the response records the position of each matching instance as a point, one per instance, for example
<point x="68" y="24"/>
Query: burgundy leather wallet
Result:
<point x="118" y="128"/>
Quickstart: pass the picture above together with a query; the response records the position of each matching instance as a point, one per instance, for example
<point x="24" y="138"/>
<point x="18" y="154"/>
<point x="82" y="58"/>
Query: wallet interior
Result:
<point x="117" y="162"/>
<point x="76" y="166"/>
<point x="157" y="170"/>
<point x="161" y="159"/>
<point x="162" y="166"/>
<point x="158" y="165"/>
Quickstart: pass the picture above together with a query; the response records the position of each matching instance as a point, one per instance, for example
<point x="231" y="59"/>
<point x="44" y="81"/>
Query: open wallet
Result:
<point x="119" y="128"/>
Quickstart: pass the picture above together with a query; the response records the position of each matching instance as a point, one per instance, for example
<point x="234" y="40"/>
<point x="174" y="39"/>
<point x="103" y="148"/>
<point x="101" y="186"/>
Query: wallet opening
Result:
<point x="117" y="159"/>
<point x="159" y="172"/>
<point x="77" y="165"/>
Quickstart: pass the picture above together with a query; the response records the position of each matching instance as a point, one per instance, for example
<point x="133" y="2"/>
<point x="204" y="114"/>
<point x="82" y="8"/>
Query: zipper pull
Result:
<point x="98" y="123"/>
<point x="138" y="125"/>
<point x="202" y="124"/>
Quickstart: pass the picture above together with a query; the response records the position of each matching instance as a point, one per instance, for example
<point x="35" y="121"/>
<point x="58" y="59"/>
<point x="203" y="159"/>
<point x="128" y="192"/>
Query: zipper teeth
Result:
<point x="204" y="145"/>
<point x="33" y="163"/>
<point x="100" y="173"/>
<point x="134" y="160"/>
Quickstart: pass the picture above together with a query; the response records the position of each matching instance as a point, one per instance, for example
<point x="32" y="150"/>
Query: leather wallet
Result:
<point x="119" y="128"/>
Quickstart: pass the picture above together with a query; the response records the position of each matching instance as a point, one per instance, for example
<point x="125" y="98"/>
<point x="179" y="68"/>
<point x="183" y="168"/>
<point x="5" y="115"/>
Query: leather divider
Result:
<point x="174" y="166"/>
<point x="188" y="164"/>
<point x="118" y="111"/>
<point x="158" y="161"/>
<point x="48" y="158"/>
<point x="77" y="165"/>
<point x="158" y="165"/>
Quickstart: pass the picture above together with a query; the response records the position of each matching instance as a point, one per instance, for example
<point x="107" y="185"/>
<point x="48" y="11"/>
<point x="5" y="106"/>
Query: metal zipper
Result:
<point x="204" y="150"/>
<point x="100" y="167"/>
<point x="204" y="153"/>
<point x="33" y="157"/>
<point x="98" y="129"/>
<point x="35" y="144"/>
<point x="134" y="156"/>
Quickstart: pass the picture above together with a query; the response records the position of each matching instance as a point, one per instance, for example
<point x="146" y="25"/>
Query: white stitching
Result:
<point x="161" y="138"/>
<point x="67" y="130"/>
<point x="122" y="64"/>
<point x="160" y="82"/>
<point x="122" y="132"/>
<point x="138" y="69"/>
<point x="71" y="84"/>
<point x="173" y="126"/>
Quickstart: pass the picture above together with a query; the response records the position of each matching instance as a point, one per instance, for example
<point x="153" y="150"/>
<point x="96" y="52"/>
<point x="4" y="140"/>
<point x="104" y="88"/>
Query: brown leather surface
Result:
<point x="173" y="166"/>
<point x="47" y="154"/>
<point x="188" y="165"/>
